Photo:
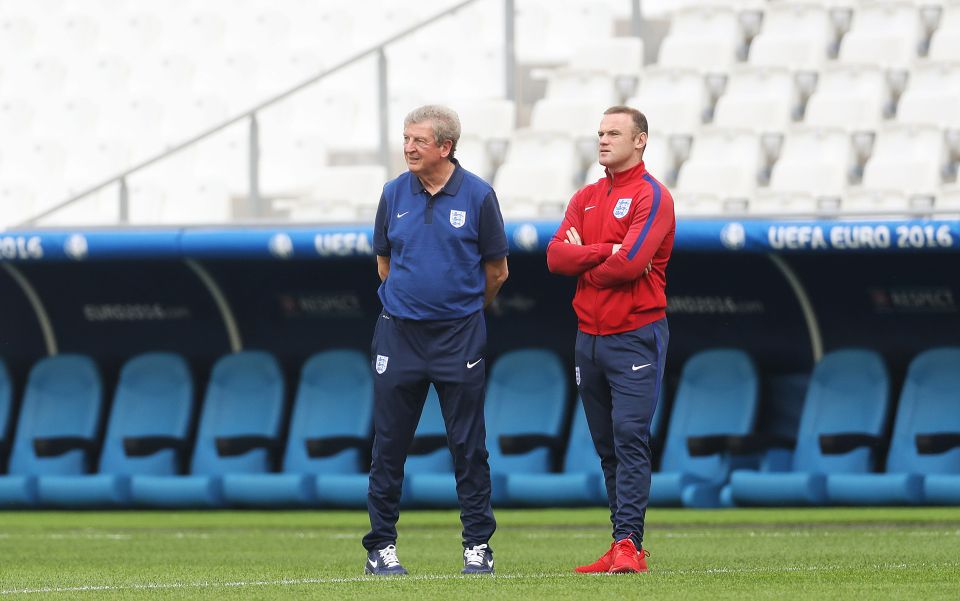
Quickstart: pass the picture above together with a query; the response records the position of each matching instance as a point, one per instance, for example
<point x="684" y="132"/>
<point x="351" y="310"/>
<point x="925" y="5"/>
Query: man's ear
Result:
<point x="446" y="148"/>
<point x="641" y="141"/>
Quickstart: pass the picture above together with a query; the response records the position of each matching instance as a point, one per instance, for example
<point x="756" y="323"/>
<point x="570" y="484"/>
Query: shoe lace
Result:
<point x="389" y="556"/>
<point x="474" y="555"/>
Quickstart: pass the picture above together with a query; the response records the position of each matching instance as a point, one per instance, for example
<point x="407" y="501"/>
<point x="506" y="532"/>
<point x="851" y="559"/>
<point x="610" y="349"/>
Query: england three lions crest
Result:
<point x="382" y="363"/>
<point x="458" y="218"/>
<point x="623" y="205"/>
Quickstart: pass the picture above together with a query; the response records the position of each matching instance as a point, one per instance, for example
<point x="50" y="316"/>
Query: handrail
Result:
<point x="248" y="114"/>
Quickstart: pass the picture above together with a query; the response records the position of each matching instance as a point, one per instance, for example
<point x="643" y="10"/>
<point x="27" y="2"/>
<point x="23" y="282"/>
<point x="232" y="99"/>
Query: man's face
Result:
<point x="420" y="149"/>
<point x="617" y="142"/>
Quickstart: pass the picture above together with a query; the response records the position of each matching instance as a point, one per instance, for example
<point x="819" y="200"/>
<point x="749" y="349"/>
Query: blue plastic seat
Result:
<point x="58" y="428"/>
<point x="525" y="407"/>
<point x="841" y="428"/>
<point x="918" y="469"/>
<point x="717" y="397"/>
<point x="329" y="438"/>
<point x="146" y="434"/>
<point x="238" y="433"/>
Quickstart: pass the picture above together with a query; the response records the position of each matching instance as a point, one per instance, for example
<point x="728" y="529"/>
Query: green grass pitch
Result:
<point x="817" y="554"/>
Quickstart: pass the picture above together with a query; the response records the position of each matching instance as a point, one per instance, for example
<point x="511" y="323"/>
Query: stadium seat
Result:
<point x="810" y="174"/>
<point x="673" y="100"/>
<point x="760" y="99"/>
<point x="850" y="97"/>
<point x="577" y="118"/>
<point x="340" y="193"/>
<point x="907" y="162"/>
<point x="797" y="36"/>
<point x="932" y="96"/>
<point x="921" y="458"/>
<point x="58" y="427"/>
<point x="723" y="166"/>
<point x="329" y="436"/>
<point x="147" y="433"/>
<point x="887" y="34"/>
<point x="525" y="409"/>
<point x="716" y="399"/>
<point x="239" y="430"/>
<point x="706" y="38"/>
<point x="584" y="85"/>
<point x="620" y="57"/>
<point x="945" y="42"/>
<point x="841" y="431"/>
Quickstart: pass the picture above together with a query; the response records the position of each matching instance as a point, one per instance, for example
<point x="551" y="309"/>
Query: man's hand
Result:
<point x="647" y="269"/>
<point x="573" y="237"/>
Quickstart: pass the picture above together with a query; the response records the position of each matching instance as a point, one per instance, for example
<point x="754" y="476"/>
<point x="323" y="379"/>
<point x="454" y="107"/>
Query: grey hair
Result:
<point x="446" y="123"/>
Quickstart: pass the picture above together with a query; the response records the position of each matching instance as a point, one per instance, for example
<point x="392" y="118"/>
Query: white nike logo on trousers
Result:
<point x="472" y="365"/>
<point x="636" y="367"/>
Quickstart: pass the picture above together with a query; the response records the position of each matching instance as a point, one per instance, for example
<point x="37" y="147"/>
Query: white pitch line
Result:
<point x="538" y="576"/>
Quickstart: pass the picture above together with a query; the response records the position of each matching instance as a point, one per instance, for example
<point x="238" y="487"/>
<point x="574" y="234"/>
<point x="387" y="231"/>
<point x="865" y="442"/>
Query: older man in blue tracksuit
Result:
<point x="442" y="257"/>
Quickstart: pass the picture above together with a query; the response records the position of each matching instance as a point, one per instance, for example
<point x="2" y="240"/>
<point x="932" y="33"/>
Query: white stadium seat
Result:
<point x="883" y="33"/>
<point x="723" y="165"/>
<point x="707" y="39"/>
<point x="945" y="42"/>
<point x="794" y="35"/>
<point x="906" y="159"/>
<point x="932" y="95"/>
<point x="850" y="97"/>
<point x="613" y="56"/>
<point x="762" y="99"/>
<point x="813" y="161"/>
<point x="674" y="100"/>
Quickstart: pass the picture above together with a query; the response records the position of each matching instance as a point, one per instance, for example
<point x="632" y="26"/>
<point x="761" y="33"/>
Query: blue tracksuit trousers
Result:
<point x="619" y="378"/>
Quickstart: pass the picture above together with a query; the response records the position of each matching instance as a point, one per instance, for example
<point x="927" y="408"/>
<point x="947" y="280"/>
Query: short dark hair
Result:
<point x="639" y="119"/>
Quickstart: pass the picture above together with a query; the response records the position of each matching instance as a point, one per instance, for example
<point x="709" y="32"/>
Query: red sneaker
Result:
<point x="600" y="566"/>
<point x="626" y="558"/>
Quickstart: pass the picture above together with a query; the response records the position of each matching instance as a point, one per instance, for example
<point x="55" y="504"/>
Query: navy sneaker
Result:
<point x="384" y="562"/>
<point x="478" y="560"/>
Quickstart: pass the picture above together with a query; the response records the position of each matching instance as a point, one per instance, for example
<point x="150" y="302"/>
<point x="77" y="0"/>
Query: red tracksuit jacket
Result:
<point x="630" y="208"/>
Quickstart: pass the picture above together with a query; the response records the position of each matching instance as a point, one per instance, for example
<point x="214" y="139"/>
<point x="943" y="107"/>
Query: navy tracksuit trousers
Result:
<point x="408" y="355"/>
<point x="619" y="378"/>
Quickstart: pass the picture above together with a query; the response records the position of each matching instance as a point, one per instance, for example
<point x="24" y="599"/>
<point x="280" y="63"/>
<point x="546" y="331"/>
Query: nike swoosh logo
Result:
<point x="372" y="563"/>
<point x="636" y="367"/>
<point x="399" y="215"/>
<point x="472" y="365"/>
<point x="588" y="208"/>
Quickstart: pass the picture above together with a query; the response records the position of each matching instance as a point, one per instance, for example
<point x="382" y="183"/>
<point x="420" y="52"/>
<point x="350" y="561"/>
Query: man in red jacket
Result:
<point x="616" y="237"/>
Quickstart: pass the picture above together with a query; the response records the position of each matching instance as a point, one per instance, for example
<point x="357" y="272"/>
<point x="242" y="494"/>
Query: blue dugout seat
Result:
<point x="923" y="463"/>
<point x="239" y="432"/>
<point x="147" y="433"/>
<point x="58" y="428"/>
<point x="841" y="431"/>
<point x="525" y="408"/>
<point x="328" y="442"/>
<point x="715" y="407"/>
<point x="581" y="482"/>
